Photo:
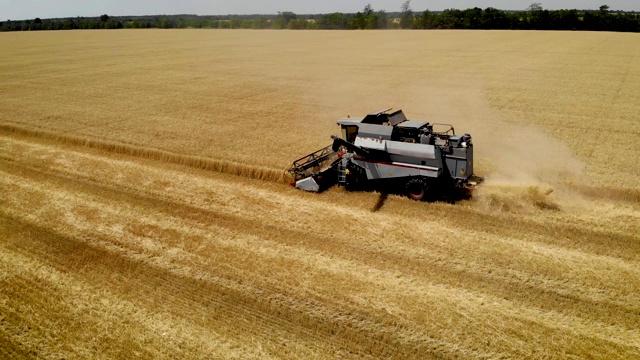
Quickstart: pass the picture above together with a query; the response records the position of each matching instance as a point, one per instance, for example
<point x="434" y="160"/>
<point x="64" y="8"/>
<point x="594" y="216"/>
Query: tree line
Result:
<point x="533" y="18"/>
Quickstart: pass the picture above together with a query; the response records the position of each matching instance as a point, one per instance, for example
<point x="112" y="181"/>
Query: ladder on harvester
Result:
<point x="342" y="173"/>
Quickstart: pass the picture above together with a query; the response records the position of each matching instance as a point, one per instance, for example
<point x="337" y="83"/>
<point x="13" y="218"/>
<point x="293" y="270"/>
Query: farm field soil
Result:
<point x="143" y="212"/>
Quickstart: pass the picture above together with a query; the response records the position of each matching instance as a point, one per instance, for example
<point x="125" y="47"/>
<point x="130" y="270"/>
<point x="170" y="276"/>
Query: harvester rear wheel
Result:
<point x="417" y="189"/>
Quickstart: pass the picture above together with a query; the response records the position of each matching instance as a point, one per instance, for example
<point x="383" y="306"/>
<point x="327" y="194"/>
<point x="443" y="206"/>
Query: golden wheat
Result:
<point x="136" y="220"/>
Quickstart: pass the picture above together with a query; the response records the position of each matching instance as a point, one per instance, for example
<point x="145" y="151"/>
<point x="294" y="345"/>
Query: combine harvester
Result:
<point x="388" y="153"/>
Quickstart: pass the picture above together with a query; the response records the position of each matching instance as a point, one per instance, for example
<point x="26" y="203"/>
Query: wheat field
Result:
<point x="144" y="212"/>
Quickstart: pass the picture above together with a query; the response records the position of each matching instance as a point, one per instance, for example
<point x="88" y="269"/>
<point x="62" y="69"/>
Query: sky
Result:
<point x="29" y="9"/>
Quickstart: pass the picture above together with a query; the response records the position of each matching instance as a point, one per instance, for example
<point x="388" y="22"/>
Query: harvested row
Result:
<point x="222" y="166"/>
<point x="302" y="275"/>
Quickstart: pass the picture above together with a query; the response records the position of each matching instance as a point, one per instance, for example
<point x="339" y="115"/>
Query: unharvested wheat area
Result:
<point x="143" y="211"/>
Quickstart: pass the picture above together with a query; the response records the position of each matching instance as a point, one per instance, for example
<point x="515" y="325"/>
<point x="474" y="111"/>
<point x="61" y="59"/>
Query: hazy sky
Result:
<point x="29" y="9"/>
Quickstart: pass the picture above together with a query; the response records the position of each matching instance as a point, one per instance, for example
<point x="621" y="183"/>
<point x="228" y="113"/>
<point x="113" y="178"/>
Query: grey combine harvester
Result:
<point x="386" y="152"/>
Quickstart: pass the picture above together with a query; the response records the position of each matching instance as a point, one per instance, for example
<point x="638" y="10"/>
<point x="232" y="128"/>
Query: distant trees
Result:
<point x="426" y="20"/>
<point x="166" y="23"/>
<point x="604" y="20"/>
<point x="36" y="25"/>
<point x="406" y="15"/>
<point x="333" y="21"/>
<point x="496" y="19"/>
<point x="369" y="19"/>
<point x="535" y="7"/>
<point x="534" y="18"/>
<point x="287" y="17"/>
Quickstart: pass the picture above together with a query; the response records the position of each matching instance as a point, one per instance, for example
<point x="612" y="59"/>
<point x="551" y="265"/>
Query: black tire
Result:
<point x="416" y="189"/>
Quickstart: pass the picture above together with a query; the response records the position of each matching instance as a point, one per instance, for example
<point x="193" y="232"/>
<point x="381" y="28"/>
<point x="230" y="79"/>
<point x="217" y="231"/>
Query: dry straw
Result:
<point x="222" y="166"/>
<point x="105" y="253"/>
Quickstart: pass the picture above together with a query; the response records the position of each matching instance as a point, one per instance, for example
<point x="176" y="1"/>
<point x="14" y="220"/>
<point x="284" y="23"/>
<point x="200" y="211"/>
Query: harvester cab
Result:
<point x="385" y="150"/>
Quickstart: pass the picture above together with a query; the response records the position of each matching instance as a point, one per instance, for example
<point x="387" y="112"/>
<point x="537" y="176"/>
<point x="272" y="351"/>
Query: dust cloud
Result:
<point x="524" y="168"/>
<point x="506" y="150"/>
<point x="517" y="159"/>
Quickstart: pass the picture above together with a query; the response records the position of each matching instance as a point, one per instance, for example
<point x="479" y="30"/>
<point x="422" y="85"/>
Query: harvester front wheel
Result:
<point x="417" y="189"/>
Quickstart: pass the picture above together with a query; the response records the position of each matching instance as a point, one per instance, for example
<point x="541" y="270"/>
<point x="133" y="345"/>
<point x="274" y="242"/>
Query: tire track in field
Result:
<point x="223" y="305"/>
<point x="349" y="328"/>
<point x="540" y="293"/>
<point x="62" y="290"/>
<point x="376" y="259"/>
<point x="547" y="233"/>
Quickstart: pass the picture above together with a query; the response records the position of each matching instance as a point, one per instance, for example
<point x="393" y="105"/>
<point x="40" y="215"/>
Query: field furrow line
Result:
<point x="432" y="263"/>
<point x="235" y="222"/>
<point x="537" y="285"/>
<point x="254" y="303"/>
<point x="216" y="165"/>
<point x="61" y="296"/>
<point x="347" y="264"/>
<point x="315" y="319"/>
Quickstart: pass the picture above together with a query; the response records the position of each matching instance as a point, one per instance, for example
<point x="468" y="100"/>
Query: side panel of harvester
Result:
<point x="405" y="159"/>
<point x="380" y="170"/>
